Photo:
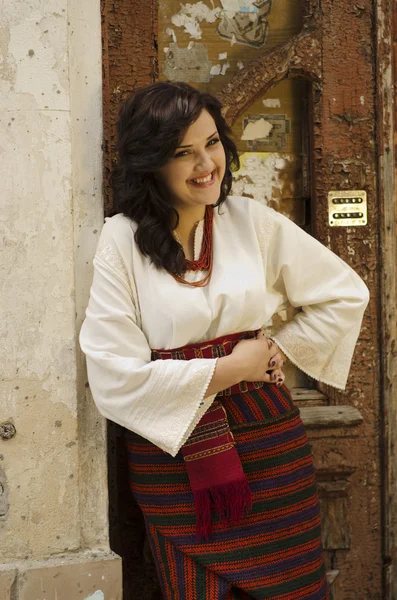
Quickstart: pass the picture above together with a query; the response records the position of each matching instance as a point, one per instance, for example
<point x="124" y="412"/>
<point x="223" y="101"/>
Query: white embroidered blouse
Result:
<point x="262" y="262"/>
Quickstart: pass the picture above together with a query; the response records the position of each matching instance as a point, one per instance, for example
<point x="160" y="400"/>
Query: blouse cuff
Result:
<point x="332" y="370"/>
<point x="204" y="402"/>
<point x="174" y="424"/>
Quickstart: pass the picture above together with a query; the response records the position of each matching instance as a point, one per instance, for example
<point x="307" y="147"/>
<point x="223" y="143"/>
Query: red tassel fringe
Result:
<point x="231" y="501"/>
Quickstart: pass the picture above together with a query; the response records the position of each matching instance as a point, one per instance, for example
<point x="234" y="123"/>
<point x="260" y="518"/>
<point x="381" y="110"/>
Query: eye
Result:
<point x="182" y="153"/>
<point x="213" y="142"/>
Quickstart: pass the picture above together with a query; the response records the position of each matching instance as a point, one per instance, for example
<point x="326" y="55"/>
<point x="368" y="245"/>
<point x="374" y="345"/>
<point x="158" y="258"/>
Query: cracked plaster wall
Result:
<point x="51" y="213"/>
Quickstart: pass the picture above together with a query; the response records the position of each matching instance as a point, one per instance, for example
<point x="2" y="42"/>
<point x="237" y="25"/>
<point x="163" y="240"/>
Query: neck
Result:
<point x="186" y="229"/>
<point x="188" y="220"/>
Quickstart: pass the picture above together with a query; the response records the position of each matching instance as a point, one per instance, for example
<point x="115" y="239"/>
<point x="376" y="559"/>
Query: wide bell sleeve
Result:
<point x="162" y="400"/>
<point x="332" y="298"/>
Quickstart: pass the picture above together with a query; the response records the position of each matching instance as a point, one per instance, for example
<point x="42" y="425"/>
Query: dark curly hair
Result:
<point x="152" y="123"/>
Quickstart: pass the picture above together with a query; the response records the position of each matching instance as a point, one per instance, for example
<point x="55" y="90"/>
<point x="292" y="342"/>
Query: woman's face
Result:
<point x="193" y="176"/>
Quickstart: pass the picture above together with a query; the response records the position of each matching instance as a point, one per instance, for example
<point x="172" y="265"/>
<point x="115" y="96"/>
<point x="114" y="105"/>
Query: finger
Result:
<point x="267" y="340"/>
<point x="275" y="375"/>
<point x="276" y="361"/>
<point x="261" y="335"/>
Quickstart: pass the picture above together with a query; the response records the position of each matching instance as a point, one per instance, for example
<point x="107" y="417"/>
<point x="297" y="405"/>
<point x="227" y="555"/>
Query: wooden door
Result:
<point x="298" y="83"/>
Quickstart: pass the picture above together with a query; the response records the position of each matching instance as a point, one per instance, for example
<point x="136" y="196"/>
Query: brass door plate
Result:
<point x="347" y="209"/>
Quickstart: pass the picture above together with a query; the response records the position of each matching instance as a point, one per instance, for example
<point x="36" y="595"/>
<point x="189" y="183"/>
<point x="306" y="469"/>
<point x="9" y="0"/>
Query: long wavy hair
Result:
<point x="152" y="122"/>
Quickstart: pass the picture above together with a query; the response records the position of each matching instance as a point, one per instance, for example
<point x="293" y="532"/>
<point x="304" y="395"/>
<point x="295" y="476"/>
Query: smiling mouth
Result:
<point x="204" y="181"/>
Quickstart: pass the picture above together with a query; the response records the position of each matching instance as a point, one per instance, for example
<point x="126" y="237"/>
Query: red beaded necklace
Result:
<point x="204" y="262"/>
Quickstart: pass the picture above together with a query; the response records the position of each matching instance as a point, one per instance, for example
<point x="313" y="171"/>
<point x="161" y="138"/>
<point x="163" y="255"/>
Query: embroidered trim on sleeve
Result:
<point x="110" y="257"/>
<point x="333" y="370"/>
<point x="109" y="254"/>
<point x="266" y="229"/>
<point x="203" y="404"/>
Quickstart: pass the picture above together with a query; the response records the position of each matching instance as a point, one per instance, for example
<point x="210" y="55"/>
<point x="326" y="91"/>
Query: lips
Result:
<point x="203" y="180"/>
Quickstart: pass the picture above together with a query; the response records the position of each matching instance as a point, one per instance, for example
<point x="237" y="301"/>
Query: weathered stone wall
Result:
<point x="53" y="484"/>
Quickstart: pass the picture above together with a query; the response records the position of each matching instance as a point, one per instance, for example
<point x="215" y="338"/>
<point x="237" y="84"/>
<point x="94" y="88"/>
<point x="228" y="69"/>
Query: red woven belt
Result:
<point x="221" y="346"/>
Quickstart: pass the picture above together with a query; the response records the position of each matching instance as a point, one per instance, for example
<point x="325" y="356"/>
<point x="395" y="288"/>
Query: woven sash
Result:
<point x="215" y="472"/>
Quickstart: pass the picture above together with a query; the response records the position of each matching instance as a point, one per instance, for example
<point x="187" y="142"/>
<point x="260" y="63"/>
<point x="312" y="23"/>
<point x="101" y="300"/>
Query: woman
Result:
<point x="185" y="276"/>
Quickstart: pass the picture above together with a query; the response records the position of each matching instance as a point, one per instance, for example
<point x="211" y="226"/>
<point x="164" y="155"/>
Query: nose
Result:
<point x="204" y="163"/>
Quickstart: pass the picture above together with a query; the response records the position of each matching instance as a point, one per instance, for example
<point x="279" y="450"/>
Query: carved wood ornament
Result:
<point x="298" y="58"/>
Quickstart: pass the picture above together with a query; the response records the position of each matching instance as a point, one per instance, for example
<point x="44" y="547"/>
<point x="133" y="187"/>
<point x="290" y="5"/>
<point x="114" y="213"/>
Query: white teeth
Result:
<point x="203" y="179"/>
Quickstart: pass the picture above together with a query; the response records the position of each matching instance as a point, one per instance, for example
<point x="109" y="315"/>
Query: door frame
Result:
<point x="386" y="32"/>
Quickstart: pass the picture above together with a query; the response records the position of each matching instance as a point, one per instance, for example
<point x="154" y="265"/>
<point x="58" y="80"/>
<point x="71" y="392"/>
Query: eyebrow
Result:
<point x="208" y="138"/>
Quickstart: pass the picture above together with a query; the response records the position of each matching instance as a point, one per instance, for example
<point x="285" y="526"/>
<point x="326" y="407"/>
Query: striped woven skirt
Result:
<point x="275" y="550"/>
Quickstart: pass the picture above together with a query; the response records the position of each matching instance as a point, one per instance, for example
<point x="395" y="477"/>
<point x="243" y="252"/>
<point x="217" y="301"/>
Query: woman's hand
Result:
<point x="259" y="359"/>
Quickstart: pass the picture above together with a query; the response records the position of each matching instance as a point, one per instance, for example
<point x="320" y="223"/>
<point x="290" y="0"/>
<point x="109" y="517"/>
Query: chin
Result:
<point x="213" y="196"/>
<point x="210" y="200"/>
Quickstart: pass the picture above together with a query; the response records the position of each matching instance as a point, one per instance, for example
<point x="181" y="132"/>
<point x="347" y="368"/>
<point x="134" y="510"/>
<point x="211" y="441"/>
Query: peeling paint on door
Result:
<point x="256" y="130"/>
<point x="271" y="102"/>
<point x="219" y="69"/>
<point x="262" y="177"/>
<point x="199" y="21"/>
<point x="190" y="16"/>
<point x="98" y="595"/>
<point x="248" y="27"/>
<point x="275" y="130"/>
<point x="240" y="5"/>
<point x="189" y="64"/>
